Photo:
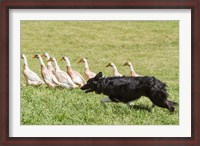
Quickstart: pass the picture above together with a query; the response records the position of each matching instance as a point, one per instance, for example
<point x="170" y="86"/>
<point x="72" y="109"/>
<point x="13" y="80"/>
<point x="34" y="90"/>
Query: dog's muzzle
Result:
<point x="85" y="87"/>
<point x="88" y="90"/>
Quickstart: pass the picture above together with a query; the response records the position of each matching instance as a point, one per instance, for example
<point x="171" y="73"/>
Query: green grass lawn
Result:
<point x="152" y="47"/>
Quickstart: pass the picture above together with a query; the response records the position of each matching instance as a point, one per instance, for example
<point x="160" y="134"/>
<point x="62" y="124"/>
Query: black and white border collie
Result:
<point x="127" y="89"/>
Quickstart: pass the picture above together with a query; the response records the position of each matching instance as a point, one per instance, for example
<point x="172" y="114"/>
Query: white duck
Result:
<point x="132" y="71"/>
<point x="49" y="65"/>
<point x="88" y="74"/>
<point x="31" y="77"/>
<point x="62" y="76"/>
<point x="115" y="71"/>
<point x="47" y="75"/>
<point x="75" y="76"/>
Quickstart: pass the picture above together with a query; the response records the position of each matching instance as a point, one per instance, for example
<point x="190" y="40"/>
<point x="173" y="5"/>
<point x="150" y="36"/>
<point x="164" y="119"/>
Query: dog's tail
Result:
<point x="175" y="103"/>
<point x="170" y="105"/>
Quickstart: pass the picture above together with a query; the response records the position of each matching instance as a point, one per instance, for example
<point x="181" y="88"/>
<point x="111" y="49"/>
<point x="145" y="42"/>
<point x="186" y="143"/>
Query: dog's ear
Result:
<point x="99" y="75"/>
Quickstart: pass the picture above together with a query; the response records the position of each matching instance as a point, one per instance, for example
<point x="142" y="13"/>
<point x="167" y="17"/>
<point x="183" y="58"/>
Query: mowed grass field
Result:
<point x="152" y="47"/>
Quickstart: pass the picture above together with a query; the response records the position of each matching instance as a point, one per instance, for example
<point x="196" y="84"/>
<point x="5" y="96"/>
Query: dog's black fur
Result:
<point x="127" y="89"/>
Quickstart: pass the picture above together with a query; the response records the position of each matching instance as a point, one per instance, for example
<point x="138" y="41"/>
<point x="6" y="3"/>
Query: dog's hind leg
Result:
<point x="152" y="106"/>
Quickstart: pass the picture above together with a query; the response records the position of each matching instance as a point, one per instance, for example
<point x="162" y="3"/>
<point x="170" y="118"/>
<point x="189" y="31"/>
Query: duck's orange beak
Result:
<point x="61" y="59"/>
<point x="49" y="60"/>
<point x="34" y="56"/>
<point x="108" y="65"/>
<point x="80" y="61"/>
<point x="125" y="64"/>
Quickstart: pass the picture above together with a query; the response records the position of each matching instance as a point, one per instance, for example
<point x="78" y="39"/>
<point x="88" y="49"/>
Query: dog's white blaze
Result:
<point x="106" y="99"/>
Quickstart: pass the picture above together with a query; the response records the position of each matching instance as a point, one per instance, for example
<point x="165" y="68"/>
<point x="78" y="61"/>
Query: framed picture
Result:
<point x="152" y="43"/>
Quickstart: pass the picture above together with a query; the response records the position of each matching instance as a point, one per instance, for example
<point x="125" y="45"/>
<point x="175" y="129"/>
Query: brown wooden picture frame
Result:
<point x="6" y="5"/>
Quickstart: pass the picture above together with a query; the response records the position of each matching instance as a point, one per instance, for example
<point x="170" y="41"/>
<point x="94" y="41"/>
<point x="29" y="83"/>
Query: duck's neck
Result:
<point x="49" y="62"/>
<point x="86" y="65"/>
<point x="69" y="69"/>
<point x="132" y="70"/>
<point x="56" y="65"/>
<point x="115" y="69"/>
<point x="49" y="65"/>
<point x="41" y="61"/>
<point x="25" y="63"/>
<point x="68" y="64"/>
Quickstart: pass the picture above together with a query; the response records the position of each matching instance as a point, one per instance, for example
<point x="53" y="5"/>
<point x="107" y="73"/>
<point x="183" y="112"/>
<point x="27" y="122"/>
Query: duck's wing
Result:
<point x="55" y="81"/>
<point x="49" y="83"/>
<point x="83" y="80"/>
<point x="49" y="78"/>
<point x="77" y="78"/>
<point x="64" y="78"/>
<point x="50" y="68"/>
<point x="135" y="75"/>
<point x="90" y="74"/>
<point x="32" y="76"/>
<point x="118" y="74"/>
<point x="35" y="83"/>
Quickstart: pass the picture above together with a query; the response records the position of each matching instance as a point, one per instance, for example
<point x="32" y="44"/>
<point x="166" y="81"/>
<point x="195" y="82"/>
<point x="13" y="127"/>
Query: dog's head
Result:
<point x="92" y="84"/>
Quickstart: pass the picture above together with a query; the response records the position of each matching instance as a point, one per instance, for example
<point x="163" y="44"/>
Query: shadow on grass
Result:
<point x="140" y="107"/>
<point x="134" y="107"/>
<point x="149" y="109"/>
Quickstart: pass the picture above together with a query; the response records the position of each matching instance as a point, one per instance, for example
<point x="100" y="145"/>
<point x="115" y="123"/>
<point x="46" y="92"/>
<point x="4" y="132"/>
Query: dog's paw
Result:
<point x="102" y="103"/>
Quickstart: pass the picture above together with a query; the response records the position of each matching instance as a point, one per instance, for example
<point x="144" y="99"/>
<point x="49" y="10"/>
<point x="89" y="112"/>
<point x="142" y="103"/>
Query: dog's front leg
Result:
<point x="129" y="104"/>
<point x="106" y="99"/>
